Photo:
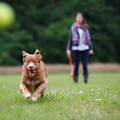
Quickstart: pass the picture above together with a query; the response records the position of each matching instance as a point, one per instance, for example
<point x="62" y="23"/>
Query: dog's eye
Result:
<point x="27" y="61"/>
<point x="34" y="61"/>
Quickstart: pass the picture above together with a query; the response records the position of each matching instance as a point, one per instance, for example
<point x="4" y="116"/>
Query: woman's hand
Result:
<point x="91" y="52"/>
<point x="68" y="52"/>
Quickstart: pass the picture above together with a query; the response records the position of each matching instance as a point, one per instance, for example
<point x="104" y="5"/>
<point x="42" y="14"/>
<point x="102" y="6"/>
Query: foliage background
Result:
<point x="45" y="25"/>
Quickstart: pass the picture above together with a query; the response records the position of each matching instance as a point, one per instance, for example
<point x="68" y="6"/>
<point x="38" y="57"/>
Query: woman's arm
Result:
<point x="89" y="39"/>
<point x="69" y="44"/>
<point x="89" y="42"/>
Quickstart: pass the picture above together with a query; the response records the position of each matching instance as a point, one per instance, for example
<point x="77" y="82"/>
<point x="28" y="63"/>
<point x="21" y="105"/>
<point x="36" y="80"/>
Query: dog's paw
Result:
<point x="34" y="99"/>
<point x="27" y="95"/>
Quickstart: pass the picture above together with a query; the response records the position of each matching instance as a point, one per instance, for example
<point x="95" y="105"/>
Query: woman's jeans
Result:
<point x="76" y="60"/>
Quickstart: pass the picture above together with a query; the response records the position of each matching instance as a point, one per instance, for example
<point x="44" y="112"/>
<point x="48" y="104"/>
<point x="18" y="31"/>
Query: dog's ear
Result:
<point x="37" y="52"/>
<point x="24" y="55"/>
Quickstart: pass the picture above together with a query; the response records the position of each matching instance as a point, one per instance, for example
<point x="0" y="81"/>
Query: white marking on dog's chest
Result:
<point x="33" y="84"/>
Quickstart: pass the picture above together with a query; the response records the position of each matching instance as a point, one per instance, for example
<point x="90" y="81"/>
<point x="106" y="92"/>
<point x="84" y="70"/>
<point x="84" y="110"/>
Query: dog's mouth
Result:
<point x="32" y="72"/>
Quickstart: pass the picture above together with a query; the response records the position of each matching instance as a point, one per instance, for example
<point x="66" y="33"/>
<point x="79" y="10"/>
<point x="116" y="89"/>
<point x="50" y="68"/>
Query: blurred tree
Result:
<point x="52" y="2"/>
<point x="45" y="25"/>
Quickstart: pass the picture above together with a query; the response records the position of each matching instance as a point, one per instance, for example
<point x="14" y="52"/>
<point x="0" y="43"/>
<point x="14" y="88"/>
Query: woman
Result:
<point x="79" y="43"/>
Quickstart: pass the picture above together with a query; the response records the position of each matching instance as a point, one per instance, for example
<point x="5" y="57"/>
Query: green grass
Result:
<point x="63" y="100"/>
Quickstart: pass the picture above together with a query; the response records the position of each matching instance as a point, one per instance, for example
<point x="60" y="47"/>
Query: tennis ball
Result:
<point x="7" y="16"/>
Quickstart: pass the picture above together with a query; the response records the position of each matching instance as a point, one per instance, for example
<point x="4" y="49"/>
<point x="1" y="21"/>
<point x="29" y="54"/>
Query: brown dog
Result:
<point x="34" y="76"/>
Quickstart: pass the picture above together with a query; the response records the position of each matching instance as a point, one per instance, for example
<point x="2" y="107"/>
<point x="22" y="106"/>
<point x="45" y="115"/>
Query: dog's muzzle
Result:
<point x="32" y="72"/>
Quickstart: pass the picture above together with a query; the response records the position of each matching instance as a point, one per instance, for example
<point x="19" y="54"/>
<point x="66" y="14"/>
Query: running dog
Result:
<point x="34" y="75"/>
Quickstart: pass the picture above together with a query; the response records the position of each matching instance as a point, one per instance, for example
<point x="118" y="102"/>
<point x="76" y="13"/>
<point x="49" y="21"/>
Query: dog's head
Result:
<point x="32" y="62"/>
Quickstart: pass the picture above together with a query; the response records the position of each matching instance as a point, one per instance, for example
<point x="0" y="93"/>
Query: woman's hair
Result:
<point x="86" y="25"/>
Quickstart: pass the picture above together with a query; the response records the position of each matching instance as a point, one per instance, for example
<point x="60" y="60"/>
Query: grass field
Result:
<point x="63" y="100"/>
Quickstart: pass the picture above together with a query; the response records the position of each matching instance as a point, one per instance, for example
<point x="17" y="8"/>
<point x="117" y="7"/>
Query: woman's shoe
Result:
<point x="75" y="78"/>
<point x="85" y="78"/>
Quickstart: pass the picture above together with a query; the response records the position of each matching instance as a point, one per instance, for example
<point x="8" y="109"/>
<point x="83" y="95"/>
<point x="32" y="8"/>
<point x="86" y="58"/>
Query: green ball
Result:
<point x="7" y="16"/>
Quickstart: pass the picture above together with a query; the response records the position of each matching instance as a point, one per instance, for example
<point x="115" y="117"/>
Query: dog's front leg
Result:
<point x="40" y="89"/>
<point x="24" y="91"/>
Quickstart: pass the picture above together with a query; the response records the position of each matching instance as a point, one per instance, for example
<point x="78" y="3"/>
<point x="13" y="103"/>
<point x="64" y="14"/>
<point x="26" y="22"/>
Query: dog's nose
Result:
<point x="30" y="67"/>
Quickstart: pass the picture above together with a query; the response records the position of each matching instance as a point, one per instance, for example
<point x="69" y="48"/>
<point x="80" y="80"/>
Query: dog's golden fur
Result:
<point x="34" y="75"/>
